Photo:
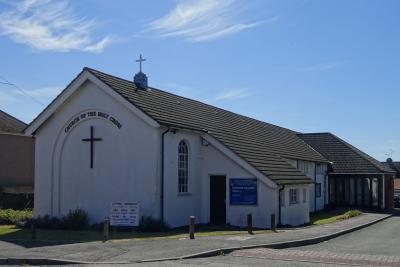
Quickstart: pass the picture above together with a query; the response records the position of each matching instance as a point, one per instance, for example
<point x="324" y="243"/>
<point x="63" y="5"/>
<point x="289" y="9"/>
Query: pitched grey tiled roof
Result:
<point x="262" y="145"/>
<point x="10" y="124"/>
<point x="345" y="157"/>
<point x="394" y="165"/>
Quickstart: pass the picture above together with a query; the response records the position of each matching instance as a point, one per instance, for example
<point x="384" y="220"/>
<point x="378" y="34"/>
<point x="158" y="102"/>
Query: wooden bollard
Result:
<point x="106" y="229"/>
<point x="33" y="231"/>
<point x="191" y="227"/>
<point x="250" y="223"/>
<point x="273" y="222"/>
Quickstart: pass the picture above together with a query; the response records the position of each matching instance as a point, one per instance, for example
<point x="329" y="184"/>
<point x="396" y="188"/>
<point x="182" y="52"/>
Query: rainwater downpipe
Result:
<point x="162" y="174"/>
<point x="280" y="205"/>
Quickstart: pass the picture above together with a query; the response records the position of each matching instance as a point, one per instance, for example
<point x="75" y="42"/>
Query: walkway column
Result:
<point x="355" y="191"/>
<point x="371" y="201"/>
<point x="362" y="192"/>
<point x="379" y="193"/>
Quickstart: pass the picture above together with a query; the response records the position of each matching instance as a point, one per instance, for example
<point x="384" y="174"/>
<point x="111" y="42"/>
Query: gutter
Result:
<point x="162" y="175"/>
<point x="280" y="205"/>
<point x="171" y="126"/>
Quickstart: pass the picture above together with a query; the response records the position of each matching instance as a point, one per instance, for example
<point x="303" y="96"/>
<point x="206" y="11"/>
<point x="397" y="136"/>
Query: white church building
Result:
<point x="105" y="139"/>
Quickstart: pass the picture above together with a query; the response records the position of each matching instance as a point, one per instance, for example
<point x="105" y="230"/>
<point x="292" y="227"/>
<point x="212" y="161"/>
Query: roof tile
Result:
<point x="345" y="157"/>
<point x="10" y="124"/>
<point x="262" y="145"/>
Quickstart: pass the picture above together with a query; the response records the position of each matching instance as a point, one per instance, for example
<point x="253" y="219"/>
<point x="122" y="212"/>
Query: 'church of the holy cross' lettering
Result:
<point x="109" y="140"/>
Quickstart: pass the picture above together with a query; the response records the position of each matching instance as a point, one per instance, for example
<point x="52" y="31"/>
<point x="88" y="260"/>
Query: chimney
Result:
<point x="140" y="79"/>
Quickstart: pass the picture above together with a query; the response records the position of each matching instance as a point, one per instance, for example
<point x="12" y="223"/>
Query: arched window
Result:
<point x="183" y="167"/>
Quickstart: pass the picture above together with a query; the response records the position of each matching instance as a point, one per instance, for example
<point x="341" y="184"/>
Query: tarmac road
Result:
<point x="380" y="239"/>
<point x="376" y="245"/>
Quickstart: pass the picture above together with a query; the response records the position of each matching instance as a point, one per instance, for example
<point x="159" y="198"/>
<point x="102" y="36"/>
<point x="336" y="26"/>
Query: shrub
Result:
<point x="149" y="224"/>
<point x="349" y="214"/>
<point x="75" y="219"/>
<point x="10" y="216"/>
<point x="47" y="222"/>
<point x="353" y="213"/>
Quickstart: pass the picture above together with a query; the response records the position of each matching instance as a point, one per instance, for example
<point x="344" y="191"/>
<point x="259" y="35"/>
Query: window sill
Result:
<point x="184" y="194"/>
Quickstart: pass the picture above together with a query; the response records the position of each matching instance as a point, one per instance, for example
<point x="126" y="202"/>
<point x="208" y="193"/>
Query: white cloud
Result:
<point x="49" y="25"/>
<point x="98" y="47"/>
<point x="321" y="66"/>
<point x="233" y="94"/>
<point x="7" y="98"/>
<point x="204" y="20"/>
<point x="39" y="95"/>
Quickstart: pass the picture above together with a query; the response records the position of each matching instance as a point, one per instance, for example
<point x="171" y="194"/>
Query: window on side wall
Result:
<point x="318" y="190"/>
<point x="293" y="196"/>
<point x="183" y="168"/>
<point x="304" y="195"/>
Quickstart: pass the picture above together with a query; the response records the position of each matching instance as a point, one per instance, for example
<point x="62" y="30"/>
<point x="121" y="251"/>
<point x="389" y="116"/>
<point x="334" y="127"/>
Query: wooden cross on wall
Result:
<point x="92" y="139"/>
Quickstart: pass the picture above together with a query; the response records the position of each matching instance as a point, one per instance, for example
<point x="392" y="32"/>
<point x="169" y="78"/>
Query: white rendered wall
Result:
<point x="126" y="165"/>
<point x="309" y="169"/>
<point x="127" y="168"/>
<point x="295" y="214"/>
<point x="310" y="172"/>
<point x="320" y="177"/>
<point x="215" y="163"/>
<point x="206" y="161"/>
<point x="178" y="207"/>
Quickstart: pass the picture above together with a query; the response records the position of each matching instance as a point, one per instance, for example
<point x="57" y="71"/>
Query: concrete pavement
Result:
<point x="135" y="251"/>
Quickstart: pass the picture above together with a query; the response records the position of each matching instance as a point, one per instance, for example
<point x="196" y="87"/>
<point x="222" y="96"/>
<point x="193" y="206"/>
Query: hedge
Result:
<point x="10" y="216"/>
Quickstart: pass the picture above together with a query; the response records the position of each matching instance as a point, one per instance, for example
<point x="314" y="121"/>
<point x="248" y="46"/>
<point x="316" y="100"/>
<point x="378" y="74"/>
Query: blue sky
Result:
<point x="311" y="66"/>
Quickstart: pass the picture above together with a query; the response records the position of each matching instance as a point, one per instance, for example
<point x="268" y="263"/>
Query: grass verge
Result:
<point x="331" y="216"/>
<point x="13" y="233"/>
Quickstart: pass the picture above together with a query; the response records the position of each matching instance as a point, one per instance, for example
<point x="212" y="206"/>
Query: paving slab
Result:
<point x="148" y="250"/>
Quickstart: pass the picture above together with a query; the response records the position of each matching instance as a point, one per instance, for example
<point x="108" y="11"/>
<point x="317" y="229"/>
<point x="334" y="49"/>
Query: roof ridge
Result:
<point x="314" y="133"/>
<point x="13" y="118"/>
<point x="362" y="154"/>
<point x="164" y="108"/>
<point x="194" y="100"/>
<point x="214" y="107"/>
<point x="316" y="151"/>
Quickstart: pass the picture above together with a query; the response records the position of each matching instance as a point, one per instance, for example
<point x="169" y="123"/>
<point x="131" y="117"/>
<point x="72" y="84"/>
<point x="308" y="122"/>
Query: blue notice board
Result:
<point x="243" y="191"/>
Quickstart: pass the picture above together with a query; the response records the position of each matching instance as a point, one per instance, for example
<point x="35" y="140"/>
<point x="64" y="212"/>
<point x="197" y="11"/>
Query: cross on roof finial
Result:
<point x="140" y="60"/>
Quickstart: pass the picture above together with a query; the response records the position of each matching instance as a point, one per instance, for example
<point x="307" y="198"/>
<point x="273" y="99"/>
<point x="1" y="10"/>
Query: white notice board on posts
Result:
<point x="124" y="214"/>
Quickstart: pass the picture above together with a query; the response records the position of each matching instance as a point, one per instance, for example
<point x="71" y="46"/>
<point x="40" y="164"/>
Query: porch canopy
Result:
<point x="355" y="178"/>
